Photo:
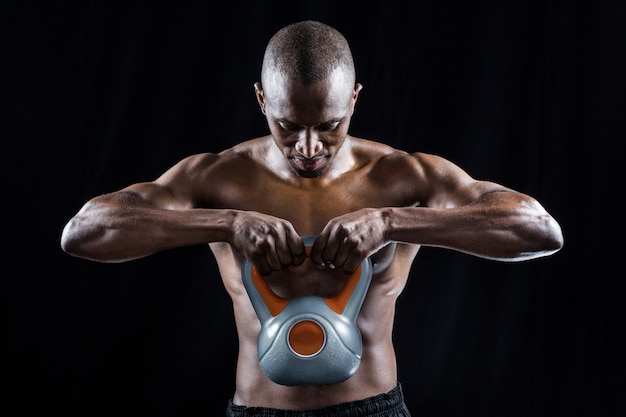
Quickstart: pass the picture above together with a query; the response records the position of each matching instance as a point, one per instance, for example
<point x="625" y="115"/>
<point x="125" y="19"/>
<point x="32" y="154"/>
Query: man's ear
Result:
<point x="260" y="97"/>
<point x="357" y="89"/>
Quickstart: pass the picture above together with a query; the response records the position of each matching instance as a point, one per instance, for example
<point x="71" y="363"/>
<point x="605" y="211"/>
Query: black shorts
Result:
<point x="390" y="404"/>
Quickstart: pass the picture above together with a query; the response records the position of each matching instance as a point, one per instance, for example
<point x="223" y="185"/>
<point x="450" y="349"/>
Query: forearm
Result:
<point x="494" y="228"/>
<point x="110" y="233"/>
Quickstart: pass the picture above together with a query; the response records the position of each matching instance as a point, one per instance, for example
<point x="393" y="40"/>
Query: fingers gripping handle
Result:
<point x="347" y="301"/>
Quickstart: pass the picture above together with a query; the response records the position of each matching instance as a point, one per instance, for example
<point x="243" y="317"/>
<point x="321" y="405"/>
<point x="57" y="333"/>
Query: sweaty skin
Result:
<point x="310" y="177"/>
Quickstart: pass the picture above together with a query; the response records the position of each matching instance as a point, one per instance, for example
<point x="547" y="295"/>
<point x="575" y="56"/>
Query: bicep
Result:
<point x="157" y="195"/>
<point x="175" y="189"/>
<point x="181" y="187"/>
<point x="447" y="185"/>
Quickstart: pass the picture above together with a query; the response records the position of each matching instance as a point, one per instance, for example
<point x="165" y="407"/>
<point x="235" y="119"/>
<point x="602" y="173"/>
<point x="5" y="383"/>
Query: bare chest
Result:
<point x="309" y="205"/>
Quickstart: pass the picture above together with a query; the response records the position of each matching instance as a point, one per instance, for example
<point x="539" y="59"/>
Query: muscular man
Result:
<point x="310" y="177"/>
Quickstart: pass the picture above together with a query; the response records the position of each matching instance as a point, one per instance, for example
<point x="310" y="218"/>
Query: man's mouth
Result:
<point x="308" y="164"/>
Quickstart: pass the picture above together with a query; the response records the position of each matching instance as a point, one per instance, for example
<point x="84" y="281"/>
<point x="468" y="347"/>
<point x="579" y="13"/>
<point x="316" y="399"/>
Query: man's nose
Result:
<point x="309" y="144"/>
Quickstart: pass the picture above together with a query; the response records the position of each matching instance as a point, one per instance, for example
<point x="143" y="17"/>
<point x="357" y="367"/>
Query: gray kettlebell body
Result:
<point x="310" y="340"/>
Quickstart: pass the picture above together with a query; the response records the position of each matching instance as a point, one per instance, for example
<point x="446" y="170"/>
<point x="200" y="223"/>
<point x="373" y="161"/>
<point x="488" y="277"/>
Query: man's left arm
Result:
<point x="457" y="212"/>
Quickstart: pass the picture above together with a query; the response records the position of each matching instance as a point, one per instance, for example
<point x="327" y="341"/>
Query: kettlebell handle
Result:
<point x="347" y="301"/>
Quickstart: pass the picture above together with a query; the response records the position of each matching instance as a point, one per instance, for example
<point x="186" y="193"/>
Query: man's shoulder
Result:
<point x="243" y="152"/>
<point x="381" y="155"/>
<point x="391" y="165"/>
<point x="241" y="163"/>
<point x="249" y="149"/>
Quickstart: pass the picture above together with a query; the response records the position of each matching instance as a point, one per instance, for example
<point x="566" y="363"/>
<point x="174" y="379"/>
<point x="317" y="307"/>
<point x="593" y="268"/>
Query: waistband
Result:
<point x="381" y="405"/>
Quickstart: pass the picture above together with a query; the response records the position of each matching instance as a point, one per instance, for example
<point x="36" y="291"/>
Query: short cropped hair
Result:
<point x="308" y="52"/>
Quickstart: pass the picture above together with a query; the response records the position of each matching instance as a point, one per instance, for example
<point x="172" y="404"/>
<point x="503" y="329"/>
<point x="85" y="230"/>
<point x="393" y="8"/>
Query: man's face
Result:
<point x="309" y="123"/>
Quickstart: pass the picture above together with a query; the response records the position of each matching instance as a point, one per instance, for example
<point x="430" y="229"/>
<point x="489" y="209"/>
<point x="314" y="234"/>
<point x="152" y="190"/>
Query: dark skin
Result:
<point x="310" y="177"/>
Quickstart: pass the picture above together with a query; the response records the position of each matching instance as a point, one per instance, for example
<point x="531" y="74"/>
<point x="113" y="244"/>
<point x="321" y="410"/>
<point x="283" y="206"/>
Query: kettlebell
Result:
<point x="308" y="339"/>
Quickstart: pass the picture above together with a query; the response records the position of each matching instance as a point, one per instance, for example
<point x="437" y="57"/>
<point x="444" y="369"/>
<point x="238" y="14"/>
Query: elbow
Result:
<point x="83" y="239"/>
<point x="538" y="236"/>
<point x="542" y="232"/>
<point x="553" y="239"/>
<point x="71" y="242"/>
<point x="79" y="242"/>
<point x="548" y="237"/>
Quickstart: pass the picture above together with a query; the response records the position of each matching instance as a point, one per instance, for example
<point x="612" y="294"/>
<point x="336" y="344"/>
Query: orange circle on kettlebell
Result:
<point x="306" y="338"/>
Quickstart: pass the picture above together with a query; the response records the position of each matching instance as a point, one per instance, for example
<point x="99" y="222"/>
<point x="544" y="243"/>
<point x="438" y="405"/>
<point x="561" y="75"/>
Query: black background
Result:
<point x="100" y="94"/>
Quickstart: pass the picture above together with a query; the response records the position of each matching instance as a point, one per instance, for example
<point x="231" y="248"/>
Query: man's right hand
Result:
<point x="269" y="242"/>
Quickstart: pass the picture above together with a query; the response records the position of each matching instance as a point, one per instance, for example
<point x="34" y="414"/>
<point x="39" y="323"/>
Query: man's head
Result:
<point x="307" y="52"/>
<point x="308" y="92"/>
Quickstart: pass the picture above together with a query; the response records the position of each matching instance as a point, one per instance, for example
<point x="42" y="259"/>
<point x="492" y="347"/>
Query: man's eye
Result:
<point x="327" y="127"/>
<point x="290" y="127"/>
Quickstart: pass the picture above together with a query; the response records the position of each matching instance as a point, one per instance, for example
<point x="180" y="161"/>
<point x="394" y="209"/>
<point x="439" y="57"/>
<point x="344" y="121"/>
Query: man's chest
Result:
<point x="307" y="205"/>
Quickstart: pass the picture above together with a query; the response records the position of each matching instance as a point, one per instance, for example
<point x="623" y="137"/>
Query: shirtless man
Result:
<point x="309" y="177"/>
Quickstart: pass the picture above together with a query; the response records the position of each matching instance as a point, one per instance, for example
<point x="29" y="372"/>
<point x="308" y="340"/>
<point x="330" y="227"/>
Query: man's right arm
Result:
<point x="172" y="212"/>
<point x="133" y="223"/>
